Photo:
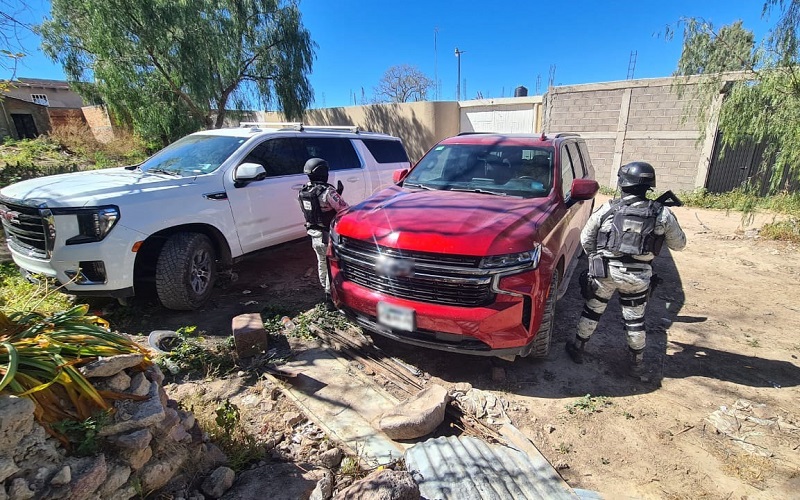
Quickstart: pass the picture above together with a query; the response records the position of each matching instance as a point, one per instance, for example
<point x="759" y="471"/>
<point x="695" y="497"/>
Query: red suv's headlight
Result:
<point x="528" y="258"/>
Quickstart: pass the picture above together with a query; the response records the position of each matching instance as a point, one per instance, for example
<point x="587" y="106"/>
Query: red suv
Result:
<point x="471" y="248"/>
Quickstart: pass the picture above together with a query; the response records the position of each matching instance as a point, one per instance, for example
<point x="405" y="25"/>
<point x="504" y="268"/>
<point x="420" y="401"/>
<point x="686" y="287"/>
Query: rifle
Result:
<point x="668" y="199"/>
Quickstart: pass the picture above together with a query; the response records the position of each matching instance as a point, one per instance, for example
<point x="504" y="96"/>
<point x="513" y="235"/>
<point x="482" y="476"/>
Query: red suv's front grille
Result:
<point x="437" y="278"/>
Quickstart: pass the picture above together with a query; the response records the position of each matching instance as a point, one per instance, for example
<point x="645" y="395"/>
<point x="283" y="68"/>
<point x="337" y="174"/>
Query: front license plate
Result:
<point x="399" y="318"/>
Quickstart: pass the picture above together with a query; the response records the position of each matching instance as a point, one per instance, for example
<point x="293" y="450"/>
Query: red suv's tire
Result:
<point x="540" y="347"/>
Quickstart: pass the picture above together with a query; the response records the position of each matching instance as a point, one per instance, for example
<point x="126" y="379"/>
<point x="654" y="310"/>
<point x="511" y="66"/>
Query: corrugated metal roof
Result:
<point x="466" y="468"/>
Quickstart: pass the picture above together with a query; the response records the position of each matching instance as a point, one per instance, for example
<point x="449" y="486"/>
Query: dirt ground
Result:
<point x="720" y="417"/>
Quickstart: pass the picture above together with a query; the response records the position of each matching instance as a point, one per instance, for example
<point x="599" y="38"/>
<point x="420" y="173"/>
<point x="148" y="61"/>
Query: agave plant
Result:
<point x="40" y="358"/>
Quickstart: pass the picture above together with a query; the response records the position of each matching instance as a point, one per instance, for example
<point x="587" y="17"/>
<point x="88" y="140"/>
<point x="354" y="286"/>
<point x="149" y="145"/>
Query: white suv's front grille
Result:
<point x="25" y="230"/>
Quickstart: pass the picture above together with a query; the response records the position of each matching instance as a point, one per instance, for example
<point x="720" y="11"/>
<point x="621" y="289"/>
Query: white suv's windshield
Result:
<point x="193" y="155"/>
<point x="511" y="170"/>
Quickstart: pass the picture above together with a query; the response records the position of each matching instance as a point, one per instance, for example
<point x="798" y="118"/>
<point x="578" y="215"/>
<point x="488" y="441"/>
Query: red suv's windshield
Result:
<point x="512" y="170"/>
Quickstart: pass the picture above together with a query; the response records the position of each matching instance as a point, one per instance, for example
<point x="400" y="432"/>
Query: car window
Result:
<point x="587" y="160"/>
<point x="279" y="156"/>
<point x="513" y="170"/>
<point x="567" y="171"/>
<point x="337" y="151"/>
<point x="386" y="151"/>
<point x="193" y="155"/>
<point x="577" y="163"/>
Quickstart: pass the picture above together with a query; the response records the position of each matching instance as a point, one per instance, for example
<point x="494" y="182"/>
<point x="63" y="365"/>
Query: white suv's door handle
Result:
<point x="353" y="179"/>
<point x="298" y="187"/>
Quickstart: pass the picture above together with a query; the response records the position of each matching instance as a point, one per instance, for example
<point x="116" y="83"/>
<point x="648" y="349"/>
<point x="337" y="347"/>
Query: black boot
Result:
<point x="638" y="369"/>
<point x="575" y="349"/>
<point x="329" y="305"/>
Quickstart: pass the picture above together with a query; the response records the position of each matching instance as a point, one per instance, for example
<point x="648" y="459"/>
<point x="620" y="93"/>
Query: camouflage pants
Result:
<point x="319" y="242"/>
<point x="632" y="282"/>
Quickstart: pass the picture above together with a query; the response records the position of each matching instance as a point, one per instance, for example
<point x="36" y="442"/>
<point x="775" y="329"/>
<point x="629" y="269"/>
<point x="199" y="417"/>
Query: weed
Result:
<point x="21" y="295"/>
<point x="589" y="404"/>
<point x="192" y="356"/>
<point x="627" y="415"/>
<point x="753" y="343"/>
<point x="228" y="417"/>
<point x="785" y="230"/>
<point x="83" y="435"/>
<point x="605" y="461"/>
<point x="349" y="467"/>
<point x="564" y="448"/>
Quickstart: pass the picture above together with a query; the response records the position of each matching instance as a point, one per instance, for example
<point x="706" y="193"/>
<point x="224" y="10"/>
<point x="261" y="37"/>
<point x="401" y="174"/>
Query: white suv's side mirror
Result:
<point x="249" y="172"/>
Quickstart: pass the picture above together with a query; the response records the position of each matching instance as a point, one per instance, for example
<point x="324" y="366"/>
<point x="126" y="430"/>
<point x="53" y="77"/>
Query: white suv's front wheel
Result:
<point x="186" y="271"/>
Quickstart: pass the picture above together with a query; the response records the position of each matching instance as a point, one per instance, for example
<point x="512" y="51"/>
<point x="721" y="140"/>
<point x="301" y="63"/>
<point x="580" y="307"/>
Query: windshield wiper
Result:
<point x="422" y="186"/>
<point x="164" y="171"/>
<point x="479" y="190"/>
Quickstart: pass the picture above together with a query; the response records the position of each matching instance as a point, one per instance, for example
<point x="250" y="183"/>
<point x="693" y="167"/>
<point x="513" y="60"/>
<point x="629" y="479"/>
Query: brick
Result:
<point x="249" y="334"/>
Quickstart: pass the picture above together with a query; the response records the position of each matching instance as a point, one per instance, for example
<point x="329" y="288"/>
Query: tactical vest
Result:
<point x="315" y="217"/>
<point x="632" y="230"/>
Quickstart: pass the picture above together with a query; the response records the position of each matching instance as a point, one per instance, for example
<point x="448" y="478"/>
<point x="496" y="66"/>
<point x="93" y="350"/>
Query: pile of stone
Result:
<point x="148" y="444"/>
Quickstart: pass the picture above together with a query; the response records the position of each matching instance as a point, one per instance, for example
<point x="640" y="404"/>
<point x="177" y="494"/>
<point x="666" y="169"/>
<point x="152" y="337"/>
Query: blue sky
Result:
<point x="504" y="44"/>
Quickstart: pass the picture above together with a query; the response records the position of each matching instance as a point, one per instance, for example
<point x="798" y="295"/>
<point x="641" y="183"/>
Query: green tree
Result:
<point x="168" y="67"/>
<point x="760" y="81"/>
<point x="403" y="83"/>
<point x="12" y="28"/>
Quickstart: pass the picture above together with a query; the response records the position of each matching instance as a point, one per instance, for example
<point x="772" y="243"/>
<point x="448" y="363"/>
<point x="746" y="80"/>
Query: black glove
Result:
<point x="339" y="187"/>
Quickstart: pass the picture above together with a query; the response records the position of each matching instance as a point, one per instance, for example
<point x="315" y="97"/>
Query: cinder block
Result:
<point x="249" y="335"/>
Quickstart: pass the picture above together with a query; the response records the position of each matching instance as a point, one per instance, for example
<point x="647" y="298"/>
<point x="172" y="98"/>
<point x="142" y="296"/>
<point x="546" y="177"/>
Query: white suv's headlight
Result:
<point x="93" y="224"/>
<point x="530" y="257"/>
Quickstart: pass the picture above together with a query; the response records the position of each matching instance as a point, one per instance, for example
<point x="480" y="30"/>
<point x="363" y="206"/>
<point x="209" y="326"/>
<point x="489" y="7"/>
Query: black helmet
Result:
<point x="637" y="173"/>
<point x="316" y="169"/>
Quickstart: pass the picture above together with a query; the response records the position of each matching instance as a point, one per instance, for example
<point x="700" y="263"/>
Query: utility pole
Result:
<point x="458" y="81"/>
<point x="552" y="78"/>
<point x="538" y="84"/>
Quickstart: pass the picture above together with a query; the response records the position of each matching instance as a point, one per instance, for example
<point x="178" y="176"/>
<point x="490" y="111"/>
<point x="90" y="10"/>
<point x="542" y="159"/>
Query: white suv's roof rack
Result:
<point x="299" y="126"/>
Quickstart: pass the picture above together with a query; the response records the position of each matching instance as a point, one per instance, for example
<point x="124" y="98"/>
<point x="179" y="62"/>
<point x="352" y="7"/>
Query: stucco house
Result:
<point x="32" y="105"/>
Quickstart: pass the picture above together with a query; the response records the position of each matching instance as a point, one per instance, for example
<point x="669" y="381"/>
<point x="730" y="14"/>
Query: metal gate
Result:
<point x="733" y="167"/>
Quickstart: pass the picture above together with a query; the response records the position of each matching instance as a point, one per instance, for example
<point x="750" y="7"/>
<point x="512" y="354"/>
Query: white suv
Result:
<point x="174" y="221"/>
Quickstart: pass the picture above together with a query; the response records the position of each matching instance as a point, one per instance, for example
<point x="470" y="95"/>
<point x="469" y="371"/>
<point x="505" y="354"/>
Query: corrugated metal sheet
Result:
<point x="466" y="468"/>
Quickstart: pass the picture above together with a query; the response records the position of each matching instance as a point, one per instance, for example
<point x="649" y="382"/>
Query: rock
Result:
<point x="125" y="493"/>
<point x="136" y="459"/>
<point x="106" y="367"/>
<point x="211" y="456"/>
<point x="36" y="448"/>
<point x="139" y="386"/>
<point x="324" y="488"/>
<point x="157" y="474"/>
<point x="187" y="419"/>
<point x="87" y="476"/>
<point x="62" y="477"/>
<point x="154" y="374"/>
<point x="464" y="387"/>
<point x="117" y="476"/>
<point x="382" y="485"/>
<point x="290" y="418"/>
<point x="218" y="482"/>
<point x="170" y="421"/>
<point x="137" y="440"/>
<point x="249" y="335"/>
<point x="19" y="490"/>
<point x="331" y="458"/>
<point x="16" y="420"/>
<point x="179" y="434"/>
<point x="119" y="382"/>
<point x="7" y="468"/>
<point x="276" y="481"/>
<point x="417" y="416"/>
<point x="132" y="415"/>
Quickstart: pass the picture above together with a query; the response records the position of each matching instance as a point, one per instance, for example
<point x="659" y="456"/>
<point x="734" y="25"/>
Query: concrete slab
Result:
<point x="345" y="403"/>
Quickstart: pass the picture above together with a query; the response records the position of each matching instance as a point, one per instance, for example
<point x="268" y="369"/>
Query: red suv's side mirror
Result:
<point x="399" y="175"/>
<point x="583" y="189"/>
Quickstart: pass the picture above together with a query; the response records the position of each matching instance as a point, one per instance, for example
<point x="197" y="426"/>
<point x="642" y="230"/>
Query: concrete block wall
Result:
<point x="636" y="120"/>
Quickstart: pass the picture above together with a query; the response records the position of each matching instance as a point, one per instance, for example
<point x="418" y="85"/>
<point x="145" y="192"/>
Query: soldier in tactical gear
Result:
<point x="621" y="239"/>
<point x="320" y="203"/>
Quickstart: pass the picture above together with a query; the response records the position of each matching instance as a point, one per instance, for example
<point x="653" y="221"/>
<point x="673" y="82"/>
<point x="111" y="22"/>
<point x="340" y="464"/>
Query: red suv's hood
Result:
<point x="446" y="221"/>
